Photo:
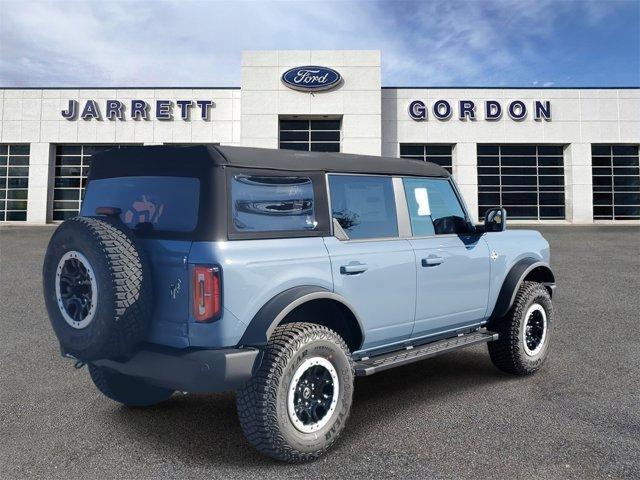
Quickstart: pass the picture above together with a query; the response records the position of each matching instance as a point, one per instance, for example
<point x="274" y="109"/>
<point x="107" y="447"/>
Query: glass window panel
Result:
<point x="488" y="171"/>
<point x="66" y="194"/>
<point x="626" y="211"/>
<point x="3" y="194"/>
<point x="550" y="161"/>
<point x="67" y="182"/>
<point x="518" y="150"/>
<point x="554" y="198"/>
<point x="519" y="180"/>
<point x="63" y="214"/>
<point x="550" y="180"/>
<point x="520" y="198"/>
<point x="3" y="160"/>
<point x="620" y="171"/>
<point x="302" y="136"/>
<point x="16" y="205"/>
<point x="627" y="198"/>
<point x="16" y="194"/>
<point x="325" y="136"/>
<point x="602" y="181"/>
<point x="325" y="147"/>
<point x="18" y="172"/>
<point x="625" y="161"/>
<point x="438" y="149"/>
<point x="17" y="182"/>
<point x="67" y="205"/>
<point x="434" y="202"/>
<point x="69" y="150"/>
<point x="416" y="150"/>
<point x="601" y="161"/>
<point x="488" y="149"/>
<point x="325" y="124"/>
<point x="626" y="181"/>
<point x="489" y="180"/>
<point x="68" y="171"/>
<point x="625" y="150"/>
<point x="19" y="161"/>
<point x="550" y="171"/>
<point x="601" y="171"/>
<point x="518" y="170"/>
<point x="518" y="161"/>
<point x="18" y="149"/>
<point x="294" y="124"/>
<point x="524" y="213"/>
<point x="491" y="199"/>
<point x="600" y="150"/>
<point x="550" y="150"/>
<point x="602" y="198"/>
<point x="488" y="161"/>
<point x="15" y="216"/>
<point x="364" y="205"/>
<point x="552" y="212"/>
<point x="4" y="149"/>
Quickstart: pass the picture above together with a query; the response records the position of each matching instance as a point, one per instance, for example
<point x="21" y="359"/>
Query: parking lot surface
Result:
<point x="454" y="416"/>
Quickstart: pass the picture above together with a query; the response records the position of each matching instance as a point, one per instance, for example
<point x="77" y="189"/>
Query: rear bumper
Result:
<point x="189" y="370"/>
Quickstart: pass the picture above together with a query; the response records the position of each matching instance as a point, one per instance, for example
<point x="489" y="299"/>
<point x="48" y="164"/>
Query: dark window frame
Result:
<point x="309" y="143"/>
<point x="604" y="176"/>
<point x="538" y="158"/>
<point x="427" y="156"/>
<point x="12" y="174"/>
<point x="322" y="214"/>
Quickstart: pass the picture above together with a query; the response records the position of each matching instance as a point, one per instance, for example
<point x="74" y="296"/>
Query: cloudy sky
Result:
<point x="428" y="43"/>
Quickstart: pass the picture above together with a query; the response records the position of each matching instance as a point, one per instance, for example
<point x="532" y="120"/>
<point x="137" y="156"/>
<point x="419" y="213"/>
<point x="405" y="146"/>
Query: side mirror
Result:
<point x="495" y="220"/>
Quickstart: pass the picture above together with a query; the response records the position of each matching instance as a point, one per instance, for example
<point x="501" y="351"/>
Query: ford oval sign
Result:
<point x="311" y="78"/>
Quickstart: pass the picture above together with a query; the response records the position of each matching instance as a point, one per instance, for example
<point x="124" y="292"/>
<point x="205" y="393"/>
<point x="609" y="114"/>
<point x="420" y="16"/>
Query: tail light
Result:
<point x="207" y="295"/>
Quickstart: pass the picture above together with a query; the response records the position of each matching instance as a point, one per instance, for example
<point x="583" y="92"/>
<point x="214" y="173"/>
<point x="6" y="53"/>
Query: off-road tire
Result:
<point x="508" y="353"/>
<point x="127" y="390"/>
<point x="262" y="402"/>
<point x="123" y="310"/>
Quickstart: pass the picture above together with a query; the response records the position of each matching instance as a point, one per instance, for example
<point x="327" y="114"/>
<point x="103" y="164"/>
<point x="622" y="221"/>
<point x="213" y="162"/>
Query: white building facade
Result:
<point x="547" y="155"/>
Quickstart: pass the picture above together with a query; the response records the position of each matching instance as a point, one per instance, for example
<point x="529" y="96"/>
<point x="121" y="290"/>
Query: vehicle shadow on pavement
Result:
<point x="204" y="430"/>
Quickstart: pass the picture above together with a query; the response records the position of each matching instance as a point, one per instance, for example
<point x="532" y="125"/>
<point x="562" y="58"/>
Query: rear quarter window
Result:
<point x="265" y="203"/>
<point x="168" y="204"/>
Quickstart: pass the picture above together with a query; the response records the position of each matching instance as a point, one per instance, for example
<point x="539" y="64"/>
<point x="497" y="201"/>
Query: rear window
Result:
<point x="168" y="204"/>
<point x="263" y="203"/>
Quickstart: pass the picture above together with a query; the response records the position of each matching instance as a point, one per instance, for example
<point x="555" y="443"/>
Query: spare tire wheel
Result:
<point x="97" y="288"/>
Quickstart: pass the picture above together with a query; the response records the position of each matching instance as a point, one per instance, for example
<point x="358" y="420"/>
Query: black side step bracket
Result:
<point x="369" y="366"/>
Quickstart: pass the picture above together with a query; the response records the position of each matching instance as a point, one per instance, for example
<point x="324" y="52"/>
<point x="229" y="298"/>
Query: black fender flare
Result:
<point x="514" y="279"/>
<point x="275" y="310"/>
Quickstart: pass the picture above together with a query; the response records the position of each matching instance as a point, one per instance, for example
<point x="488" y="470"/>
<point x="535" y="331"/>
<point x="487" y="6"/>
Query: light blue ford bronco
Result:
<point x="283" y="275"/>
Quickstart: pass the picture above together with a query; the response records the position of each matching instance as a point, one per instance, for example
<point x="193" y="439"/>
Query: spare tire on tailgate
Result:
<point x="97" y="288"/>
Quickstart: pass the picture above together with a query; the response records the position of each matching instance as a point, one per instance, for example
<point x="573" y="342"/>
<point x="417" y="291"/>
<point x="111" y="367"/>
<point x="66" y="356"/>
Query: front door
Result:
<point x="452" y="264"/>
<point x="373" y="268"/>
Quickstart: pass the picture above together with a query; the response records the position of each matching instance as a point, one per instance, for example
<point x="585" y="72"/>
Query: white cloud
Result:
<point x="186" y="43"/>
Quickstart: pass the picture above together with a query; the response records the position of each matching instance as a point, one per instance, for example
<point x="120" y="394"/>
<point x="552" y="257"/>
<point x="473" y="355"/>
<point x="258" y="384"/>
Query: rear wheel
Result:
<point x="524" y="333"/>
<point x="296" y="405"/>
<point x="127" y="390"/>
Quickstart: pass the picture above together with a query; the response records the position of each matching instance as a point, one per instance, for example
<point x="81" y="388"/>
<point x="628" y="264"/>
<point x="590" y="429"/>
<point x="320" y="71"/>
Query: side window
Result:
<point x="364" y="205"/>
<point x="434" y="207"/>
<point x="272" y="203"/>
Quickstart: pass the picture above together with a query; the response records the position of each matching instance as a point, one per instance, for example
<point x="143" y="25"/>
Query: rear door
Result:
<point x="452" y="264"/>
<point x="161" y="211"/>
<point x="374" y="269"/>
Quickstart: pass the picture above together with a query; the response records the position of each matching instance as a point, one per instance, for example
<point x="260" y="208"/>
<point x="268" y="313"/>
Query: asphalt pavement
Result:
<point x="454" y="416"/>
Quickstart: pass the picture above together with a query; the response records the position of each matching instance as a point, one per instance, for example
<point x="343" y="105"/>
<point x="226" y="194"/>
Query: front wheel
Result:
<point x="296" y="405"/>
<point x="524" y="333"/>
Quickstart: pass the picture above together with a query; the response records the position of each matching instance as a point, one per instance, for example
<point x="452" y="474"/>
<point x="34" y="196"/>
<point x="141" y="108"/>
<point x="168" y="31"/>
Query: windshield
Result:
<point x="168" y="204"/>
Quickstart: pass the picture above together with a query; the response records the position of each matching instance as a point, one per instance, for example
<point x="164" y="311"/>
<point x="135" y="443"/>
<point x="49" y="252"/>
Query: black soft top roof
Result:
<point x="197" y="159"/>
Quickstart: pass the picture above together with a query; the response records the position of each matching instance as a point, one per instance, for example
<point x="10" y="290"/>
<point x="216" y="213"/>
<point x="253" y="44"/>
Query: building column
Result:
<point x="41" y="159"/>
<point x="465" y="171"/>
<point x="578" y="183"/>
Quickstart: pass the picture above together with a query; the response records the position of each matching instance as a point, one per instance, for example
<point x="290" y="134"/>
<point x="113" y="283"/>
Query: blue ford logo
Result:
<point x="311" y="78"/>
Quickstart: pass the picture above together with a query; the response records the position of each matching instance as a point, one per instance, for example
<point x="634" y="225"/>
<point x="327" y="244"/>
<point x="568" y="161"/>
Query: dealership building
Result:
<point x="548" y="155"/>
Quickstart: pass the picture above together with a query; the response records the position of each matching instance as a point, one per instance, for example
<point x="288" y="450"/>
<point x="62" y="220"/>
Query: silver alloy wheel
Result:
<point x="535" y="330"/>
<point x="313" y="394"/>
<point x="76" y="289"/>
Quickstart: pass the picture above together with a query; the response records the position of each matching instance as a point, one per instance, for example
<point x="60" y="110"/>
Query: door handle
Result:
<point x="353" y="268"/>
<point x="432" y="261"/>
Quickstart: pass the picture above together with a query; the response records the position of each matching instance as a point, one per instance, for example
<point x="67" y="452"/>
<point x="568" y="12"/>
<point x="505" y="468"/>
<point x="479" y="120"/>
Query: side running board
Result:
<point x="369" y="366"/>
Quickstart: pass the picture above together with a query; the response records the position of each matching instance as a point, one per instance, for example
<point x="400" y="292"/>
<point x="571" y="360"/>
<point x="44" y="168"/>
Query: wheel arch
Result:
<point x="526" y="269"/>
<point x="311" y="304"/>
